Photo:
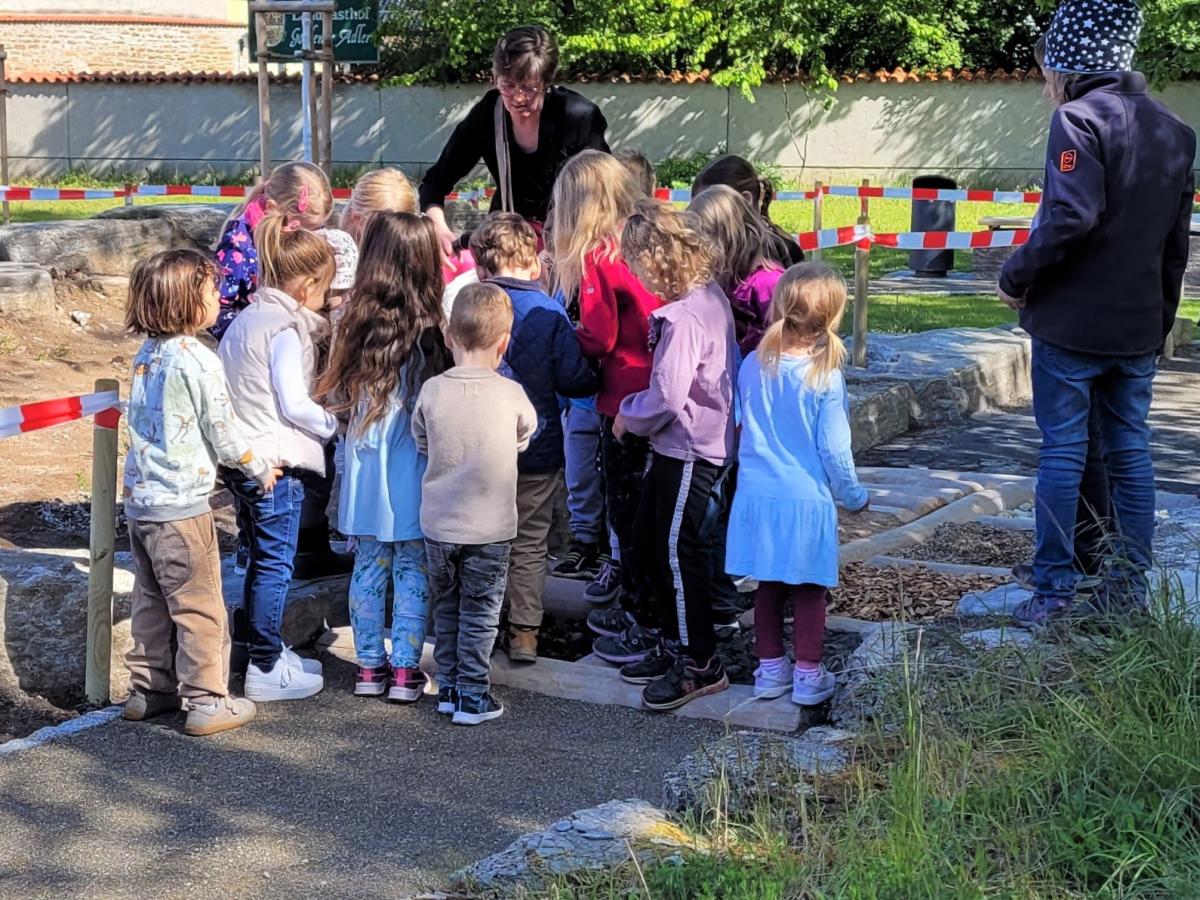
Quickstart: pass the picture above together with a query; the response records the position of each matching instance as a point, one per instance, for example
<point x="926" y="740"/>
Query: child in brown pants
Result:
<point x="181" y="426"/>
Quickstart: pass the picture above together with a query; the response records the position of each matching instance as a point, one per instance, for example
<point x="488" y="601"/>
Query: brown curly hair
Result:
<point x="664" y="248"/>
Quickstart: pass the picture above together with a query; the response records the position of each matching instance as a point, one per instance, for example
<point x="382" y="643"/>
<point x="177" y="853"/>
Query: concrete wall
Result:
<point x="191" y="9"/>
<point x="989" y="134"/>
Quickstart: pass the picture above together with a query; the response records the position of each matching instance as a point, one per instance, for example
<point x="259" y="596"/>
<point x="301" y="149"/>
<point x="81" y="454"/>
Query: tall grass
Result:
<point x="1069" y="769"/>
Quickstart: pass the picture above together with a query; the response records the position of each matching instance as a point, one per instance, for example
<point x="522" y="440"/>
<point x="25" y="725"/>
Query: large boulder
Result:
<point x="26" y="291"/>
<point x="43" y="619"/>
<point x="113" y="242"/>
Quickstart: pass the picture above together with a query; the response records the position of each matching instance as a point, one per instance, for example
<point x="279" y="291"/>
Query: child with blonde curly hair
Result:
<point x="687" y="415"/>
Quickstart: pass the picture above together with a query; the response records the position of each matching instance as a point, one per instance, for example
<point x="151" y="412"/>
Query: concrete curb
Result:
<point x="898" y="562"/>
<point x="54" y="733"/>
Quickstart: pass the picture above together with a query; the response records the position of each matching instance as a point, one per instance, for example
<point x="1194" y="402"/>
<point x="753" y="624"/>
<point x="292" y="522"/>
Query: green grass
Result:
<point x="1065" y="770"/>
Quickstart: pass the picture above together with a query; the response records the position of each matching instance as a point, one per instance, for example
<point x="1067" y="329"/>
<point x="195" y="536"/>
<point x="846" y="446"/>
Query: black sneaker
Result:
<point x="241" y="557"/>
<point x="606" y="586"/>
<point x="633" y="645"/>
<point x="683" y="683"/>
<point x="609" y="622"/>
<point x="447" y="700"/>
<point x="475" y="709"/>
<point x="580" y="562"/>
<point x="657" y="664"/>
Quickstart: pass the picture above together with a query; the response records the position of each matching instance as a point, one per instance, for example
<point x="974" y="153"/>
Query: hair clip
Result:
<point x="302" y="200"/>
<point x="291" y="225"/>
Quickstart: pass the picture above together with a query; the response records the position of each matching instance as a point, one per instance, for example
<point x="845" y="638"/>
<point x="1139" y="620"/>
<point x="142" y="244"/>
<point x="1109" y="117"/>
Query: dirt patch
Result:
<point x="884" y="594"/>
<point x="973" y="544"/>
<point x="21" y="716"/>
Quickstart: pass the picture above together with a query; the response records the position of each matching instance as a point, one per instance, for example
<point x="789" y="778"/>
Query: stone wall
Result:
<point x="122" y="44"/>
<point x="986" y="134"/>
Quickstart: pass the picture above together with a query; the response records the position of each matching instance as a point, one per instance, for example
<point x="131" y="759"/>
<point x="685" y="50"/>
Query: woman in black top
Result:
<point x="544" y="126"/>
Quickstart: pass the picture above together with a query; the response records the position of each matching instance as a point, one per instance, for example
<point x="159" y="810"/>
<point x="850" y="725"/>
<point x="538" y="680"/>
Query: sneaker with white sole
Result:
<point x="224" y="714"/>
<point x="475" y="709"/>
<point x="768" y="686"/>
<point x="610" y="622"/>
<point x="372" y="681"/>
<point x="284" y="681"/>
<point x="311" y="666"/>
<point x="447" y="700"/>
<point x="408" y="684"/>
<point x="606" y="586"/>
<point x="812" y="688"/>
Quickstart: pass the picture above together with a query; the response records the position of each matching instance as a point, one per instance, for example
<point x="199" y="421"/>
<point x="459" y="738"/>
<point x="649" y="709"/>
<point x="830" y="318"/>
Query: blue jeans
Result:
<point x="378" y="564"/>
<point x="271" y="524"/>
<point x="1065" y="385"/>
<point x="467" y="582"/>
<point x="585" y="484"/>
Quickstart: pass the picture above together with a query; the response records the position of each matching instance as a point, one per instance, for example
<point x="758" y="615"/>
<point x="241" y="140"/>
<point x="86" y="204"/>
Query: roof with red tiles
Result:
<point x="881" y="76"/>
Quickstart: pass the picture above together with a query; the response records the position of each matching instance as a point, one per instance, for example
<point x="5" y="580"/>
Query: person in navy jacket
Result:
<point x="545" y="358"/>
<point x="1097" y="286"/>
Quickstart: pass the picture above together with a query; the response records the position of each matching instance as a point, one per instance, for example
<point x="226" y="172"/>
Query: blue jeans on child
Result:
<point x="585" y="484"/>
<point x="271" y="524"/>
<point x="376" y="565"/>
<point x="1065" y="385"/>
<point x="467" y="582"/>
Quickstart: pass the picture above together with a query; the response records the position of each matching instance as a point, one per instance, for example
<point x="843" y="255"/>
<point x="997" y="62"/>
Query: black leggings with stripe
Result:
<point x="678" y="513"/>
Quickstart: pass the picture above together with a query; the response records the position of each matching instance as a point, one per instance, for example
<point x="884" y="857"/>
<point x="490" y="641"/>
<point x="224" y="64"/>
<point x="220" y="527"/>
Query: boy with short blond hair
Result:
<point x="545" y="359"/>
<point x="471" y="423"/>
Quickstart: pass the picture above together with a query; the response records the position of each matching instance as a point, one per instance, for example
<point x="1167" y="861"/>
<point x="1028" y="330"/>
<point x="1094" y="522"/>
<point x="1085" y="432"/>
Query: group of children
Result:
<point x="676" y="363"/>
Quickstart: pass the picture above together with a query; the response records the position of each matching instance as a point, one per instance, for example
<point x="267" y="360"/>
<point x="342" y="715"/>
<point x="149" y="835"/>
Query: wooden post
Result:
<point x="4" y="131"/>
<point x="818" y="212"/>
<point x="264" y="98"/>
<point x="326" y="127"/>
<point x="100" y="556"/>
<point x="862" y="272"/>
<point x="129" y="192"/>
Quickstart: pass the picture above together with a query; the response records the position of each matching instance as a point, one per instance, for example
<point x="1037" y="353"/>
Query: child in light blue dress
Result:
<point x="794" y="465"/>
<point x="388" y="344"/>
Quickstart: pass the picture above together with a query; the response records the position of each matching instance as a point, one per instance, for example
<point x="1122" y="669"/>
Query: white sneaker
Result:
<point x="767" y="686"/>
<point x="811" y="688"/>
<point x="311" y="666"/>
<point x="285" y="681"/>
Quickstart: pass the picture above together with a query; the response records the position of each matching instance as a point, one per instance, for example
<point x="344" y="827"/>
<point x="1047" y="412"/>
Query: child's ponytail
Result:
<point x="286" y="252"/>
<point x="806" y="312"/>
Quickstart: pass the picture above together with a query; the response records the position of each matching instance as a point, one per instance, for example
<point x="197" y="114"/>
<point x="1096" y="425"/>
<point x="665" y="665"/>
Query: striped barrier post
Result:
<point x="818" y="213"/>
<point x="862" y="275"/>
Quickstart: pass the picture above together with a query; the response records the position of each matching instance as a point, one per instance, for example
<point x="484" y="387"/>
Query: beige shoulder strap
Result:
<point x="503" y="163"/>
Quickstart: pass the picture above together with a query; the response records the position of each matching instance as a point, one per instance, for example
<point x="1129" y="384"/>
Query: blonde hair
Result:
<point x="665" y="249"/>
<point x="504" y="241"/>
<point x="738" y="234"/>
<point x="806" y="311"/>
<point x="593" y="196"/>
<point x="286" y="253"/>
<point x="298" y="190"/>
<point x="482" y="314"/>
<point x="166" y="293"/>
<point x="380" y="190"/>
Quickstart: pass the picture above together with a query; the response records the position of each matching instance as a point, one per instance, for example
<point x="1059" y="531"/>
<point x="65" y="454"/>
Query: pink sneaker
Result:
<point x="372" y="681"/>
<point x="407" y="685"/>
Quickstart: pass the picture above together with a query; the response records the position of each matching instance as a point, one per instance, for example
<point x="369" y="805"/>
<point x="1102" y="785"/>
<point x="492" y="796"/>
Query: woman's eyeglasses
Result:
<point x="527" y="91"/>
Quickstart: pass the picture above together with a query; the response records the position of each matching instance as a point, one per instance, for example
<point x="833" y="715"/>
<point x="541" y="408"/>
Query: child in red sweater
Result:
<point x="593" y="196"/>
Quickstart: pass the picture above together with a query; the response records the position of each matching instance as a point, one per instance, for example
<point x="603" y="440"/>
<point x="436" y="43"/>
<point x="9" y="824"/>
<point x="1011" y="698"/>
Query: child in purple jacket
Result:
<point x="687" y="415"/>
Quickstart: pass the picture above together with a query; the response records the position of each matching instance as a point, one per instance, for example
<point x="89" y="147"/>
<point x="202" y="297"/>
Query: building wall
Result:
<point x="985" y="134"/>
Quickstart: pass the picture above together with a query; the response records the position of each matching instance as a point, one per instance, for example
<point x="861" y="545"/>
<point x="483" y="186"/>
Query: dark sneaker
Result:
<point x="606" y="586"/>
<point x="143" y="705"/>
<point x="580" y="561"/>
<point x="633" y="645"/>
<point x="684" y="683"/>
<point x="1022" y="574"/>
<point x="475" y="709"/>
<point x="372" y="681"/>
<point x="724" y="629"/>
<point x="656" y="664"/>
<point x="241" y="558"/>
<point x="1038" y="611"/>
<point x="447" y="700"/>
<point x="609" y="622"/>
<point x="408" y="684"/>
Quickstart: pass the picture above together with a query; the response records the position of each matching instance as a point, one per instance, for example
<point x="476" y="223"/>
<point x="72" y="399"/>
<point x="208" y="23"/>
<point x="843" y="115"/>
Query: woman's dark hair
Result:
<point x="390" y="340"/>
<point x="739" y="174"/>
<point x="527" y="53"/>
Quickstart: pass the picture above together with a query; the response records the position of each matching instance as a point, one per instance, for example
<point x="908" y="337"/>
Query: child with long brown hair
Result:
<point x="298" y="191"/>
<point x="181" y="426"/>
<point x="687" y="415"/>
<point x="269" y="354"/>
<point x="593" y="196"/>
<point x="740" y="174"/>
<point x="794" y="462"/>
<point x="389" y="344"/>
<point x="745" y="269"/>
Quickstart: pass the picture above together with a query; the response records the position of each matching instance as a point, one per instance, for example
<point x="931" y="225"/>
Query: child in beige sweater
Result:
<point x="472" y="423"/>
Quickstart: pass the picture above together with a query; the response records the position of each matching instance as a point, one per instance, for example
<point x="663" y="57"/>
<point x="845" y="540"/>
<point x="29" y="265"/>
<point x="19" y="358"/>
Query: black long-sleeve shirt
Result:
<point x="570" y="123"/>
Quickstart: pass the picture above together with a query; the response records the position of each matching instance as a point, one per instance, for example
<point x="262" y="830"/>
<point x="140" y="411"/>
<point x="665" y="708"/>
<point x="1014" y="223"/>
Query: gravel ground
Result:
<point x="973" y="544"/>
<point x="336" y="796"/>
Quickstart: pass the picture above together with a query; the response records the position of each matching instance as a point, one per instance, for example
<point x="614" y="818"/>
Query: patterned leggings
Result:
<point x="376" y="563"/>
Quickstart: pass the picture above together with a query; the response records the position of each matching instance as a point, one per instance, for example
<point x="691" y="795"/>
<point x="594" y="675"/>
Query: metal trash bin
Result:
<point x="932" y="215"/>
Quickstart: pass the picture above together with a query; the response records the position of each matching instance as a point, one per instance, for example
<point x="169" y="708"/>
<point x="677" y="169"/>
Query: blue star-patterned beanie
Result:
<point x="1089" y="36"/>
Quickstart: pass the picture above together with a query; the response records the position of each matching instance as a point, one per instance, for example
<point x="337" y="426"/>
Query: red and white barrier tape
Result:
<point x="910" y="240"/>
<point x="45" y="413"/>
